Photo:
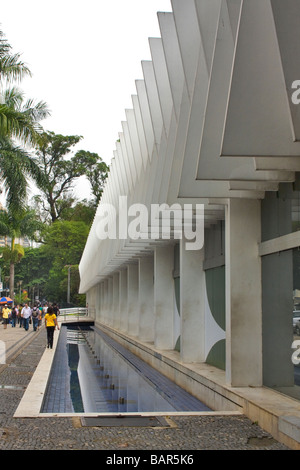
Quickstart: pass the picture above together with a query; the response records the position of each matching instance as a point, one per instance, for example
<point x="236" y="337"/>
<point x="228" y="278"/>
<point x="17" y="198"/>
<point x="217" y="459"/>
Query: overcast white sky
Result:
<point x="85" y="57"/>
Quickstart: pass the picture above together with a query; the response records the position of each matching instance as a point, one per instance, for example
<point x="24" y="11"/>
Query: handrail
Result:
<point x="82" y="310"/>
<point x="73" y="312"/>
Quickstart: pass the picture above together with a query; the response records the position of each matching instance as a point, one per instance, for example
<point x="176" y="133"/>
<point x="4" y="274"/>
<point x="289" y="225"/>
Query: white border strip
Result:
<point x="32" y="400"/>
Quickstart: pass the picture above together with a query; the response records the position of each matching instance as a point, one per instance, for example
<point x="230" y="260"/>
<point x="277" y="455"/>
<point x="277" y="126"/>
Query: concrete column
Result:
<point x="146" y="299"/>
<point x="103" y="312"/>
<point x="116" y="301"/>
<point x="88" y="301"/>
<point x="133" y="297"/>
<point x="98" y="302"/>
<point x="91" y="301"/>
<point x="123" y="300"/>
<point x="110" y="302"/>
<point x="105" y="301"/>
<point x="243" y="293"/>
<point x="192" y="304"/>
<point x="164" y="297"/>
<point x="101" y="303"/>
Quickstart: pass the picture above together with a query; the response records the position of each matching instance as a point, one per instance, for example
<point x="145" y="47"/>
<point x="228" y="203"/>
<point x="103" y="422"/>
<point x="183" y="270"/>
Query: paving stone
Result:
<point x="190" y="433"/>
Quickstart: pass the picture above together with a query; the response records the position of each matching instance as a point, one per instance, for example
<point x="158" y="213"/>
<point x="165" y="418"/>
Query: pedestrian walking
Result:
<point x="51" y="323"/>
<point x="41" y="310"/>
<point x="56" y="310"/>
<point x="40" y="316"/>
<point x="5" y="315"/>
<point x="26" y="315"/>
<point x="14" y="315"/>
<point x="20" y="318"/>
<point x="35" y="317"/>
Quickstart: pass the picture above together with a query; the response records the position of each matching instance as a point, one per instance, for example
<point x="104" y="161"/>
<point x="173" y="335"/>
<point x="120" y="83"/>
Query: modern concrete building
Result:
<point x="214" y="132"/>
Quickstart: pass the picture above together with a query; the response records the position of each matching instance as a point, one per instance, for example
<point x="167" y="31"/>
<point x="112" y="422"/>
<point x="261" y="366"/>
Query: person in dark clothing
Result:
<point x="14" y="315"/>
<point x="35" y="317"/>
<point x="56" y="310"/>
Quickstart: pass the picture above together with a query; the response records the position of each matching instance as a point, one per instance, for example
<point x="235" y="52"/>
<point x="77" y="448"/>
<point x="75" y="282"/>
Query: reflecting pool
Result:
<point x="93" y="373"/>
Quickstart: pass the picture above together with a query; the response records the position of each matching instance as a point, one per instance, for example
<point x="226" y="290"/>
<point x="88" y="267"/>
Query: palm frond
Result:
<point x="18" y="125"/>
<point x="12" y="68"/>
<point x="5" y="47"/>
<point x="36" y="111"/>
<point x="13" y="162"/>
<point x="12" y="97"/>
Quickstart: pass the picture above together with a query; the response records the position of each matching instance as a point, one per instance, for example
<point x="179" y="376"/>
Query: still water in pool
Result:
<point x="93" y="373"/>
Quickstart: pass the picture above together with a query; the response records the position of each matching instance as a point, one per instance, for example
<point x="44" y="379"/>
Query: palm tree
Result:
<point x="16" y="165"/>
<point x="19" y="121"/>
<point x="11" y="67"/>
<point x="16" y="224"/>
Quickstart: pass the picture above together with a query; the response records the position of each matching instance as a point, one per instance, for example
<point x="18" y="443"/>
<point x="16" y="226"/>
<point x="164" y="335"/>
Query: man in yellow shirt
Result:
<point x="5" y="315"/>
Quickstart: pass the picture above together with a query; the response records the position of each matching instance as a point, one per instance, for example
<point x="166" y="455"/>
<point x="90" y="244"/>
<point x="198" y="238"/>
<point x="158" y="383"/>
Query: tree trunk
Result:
<point x="11" y="280"/>
<point x="51" y="202"/>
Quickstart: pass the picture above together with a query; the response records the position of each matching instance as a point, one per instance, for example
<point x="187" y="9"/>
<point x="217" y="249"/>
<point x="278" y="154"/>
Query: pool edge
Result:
<point x="32" y="400"/>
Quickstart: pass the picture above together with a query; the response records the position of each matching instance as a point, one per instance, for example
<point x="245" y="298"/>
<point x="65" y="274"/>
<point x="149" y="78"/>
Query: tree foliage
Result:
<point x="46" y="267"/>
<point x="11" y="66"/>
<point x="19" y="125"/>
<point x="19" y="119"/>
<point x="16" y="225"/>
<point x="60" y="171"/>
<point x="96" y="172"/>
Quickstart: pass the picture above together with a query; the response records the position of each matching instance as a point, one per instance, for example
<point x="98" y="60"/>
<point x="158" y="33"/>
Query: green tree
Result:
<point x="16" y="169"/>
<point x="59" y="173"/>
<point x="83" y="211"/>
<point x="21" y="120"/>
<point x="16" y="224"/>
<point x="17" y="119"/>
<point x="11" y="67"/>
<point x="63" y="245"/>
<point x="75" y="298"/>
<point x="16" y="165"/>
<point x="42" y="270"/>
<point x="96" y="172"/>
<point x="32" y="271"/>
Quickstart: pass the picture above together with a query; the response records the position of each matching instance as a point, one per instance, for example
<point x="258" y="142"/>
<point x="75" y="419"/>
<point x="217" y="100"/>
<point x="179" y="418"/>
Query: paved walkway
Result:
<point x="174" y="434"/>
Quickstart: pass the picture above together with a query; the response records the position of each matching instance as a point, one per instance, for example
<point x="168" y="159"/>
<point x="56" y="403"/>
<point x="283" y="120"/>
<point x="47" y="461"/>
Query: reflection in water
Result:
<point x="73" y="360"/>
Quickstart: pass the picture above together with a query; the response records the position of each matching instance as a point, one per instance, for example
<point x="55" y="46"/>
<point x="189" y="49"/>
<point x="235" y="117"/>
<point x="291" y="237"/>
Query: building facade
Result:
<point x="193" y="257"/>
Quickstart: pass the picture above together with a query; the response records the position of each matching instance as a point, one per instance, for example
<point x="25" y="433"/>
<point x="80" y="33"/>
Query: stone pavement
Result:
<point x="177" y="433"/>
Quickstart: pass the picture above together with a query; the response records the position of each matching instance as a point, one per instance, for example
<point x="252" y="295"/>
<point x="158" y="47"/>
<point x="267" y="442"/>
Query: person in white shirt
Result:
<point x="26" y="314"/>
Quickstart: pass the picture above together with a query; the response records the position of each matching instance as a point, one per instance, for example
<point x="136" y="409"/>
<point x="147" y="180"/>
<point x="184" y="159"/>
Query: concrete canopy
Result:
<point x="202" y="128"/>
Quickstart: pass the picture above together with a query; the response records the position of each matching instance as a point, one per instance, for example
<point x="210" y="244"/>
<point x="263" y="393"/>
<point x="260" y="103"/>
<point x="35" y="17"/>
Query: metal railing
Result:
<point x="73" y="313"/>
